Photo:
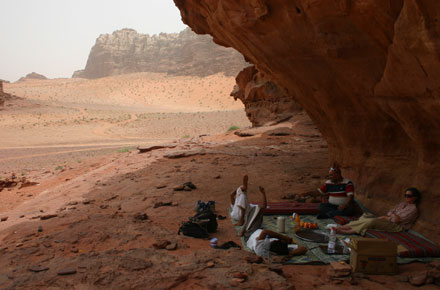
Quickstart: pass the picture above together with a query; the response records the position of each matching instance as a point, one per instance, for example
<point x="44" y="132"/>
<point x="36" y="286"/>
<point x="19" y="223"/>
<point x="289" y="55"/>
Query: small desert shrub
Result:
<point x="126" y="149"/>
<point x="186" y="136"/>
<point x="233" y="128"/>
<point x="59" y="167"/>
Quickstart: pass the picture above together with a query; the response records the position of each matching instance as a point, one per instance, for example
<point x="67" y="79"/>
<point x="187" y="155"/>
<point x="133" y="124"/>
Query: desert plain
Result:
<point x="59" y="121"/>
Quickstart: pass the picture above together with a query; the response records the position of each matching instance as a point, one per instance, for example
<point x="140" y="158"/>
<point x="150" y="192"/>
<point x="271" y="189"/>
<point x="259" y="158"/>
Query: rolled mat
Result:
<point x="287" y="208"/>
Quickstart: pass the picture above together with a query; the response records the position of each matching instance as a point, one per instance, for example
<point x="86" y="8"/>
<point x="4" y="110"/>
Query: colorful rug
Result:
<point x="314" y="254"/>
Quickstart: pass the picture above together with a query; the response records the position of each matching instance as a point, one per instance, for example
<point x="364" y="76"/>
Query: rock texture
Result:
<point x="367" y="72"/>
<point x="33" y="76"/>
<point x="264" y="101"/>
<point x="185" y="53"/>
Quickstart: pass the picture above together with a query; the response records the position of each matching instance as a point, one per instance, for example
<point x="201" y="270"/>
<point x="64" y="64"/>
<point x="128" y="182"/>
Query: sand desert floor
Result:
<point x="81" y="217"/>
<point x="63" y="121"/>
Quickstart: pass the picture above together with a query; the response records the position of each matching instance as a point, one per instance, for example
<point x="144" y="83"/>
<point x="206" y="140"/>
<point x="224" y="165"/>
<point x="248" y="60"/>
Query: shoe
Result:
<point x="190" y="185"/>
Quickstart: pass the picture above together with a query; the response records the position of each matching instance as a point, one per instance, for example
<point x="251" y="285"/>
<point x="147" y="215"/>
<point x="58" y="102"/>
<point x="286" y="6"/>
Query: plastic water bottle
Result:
<point x="213" y="243"/>
<point x="332" y="242"/>
<point x="266" y="246"/>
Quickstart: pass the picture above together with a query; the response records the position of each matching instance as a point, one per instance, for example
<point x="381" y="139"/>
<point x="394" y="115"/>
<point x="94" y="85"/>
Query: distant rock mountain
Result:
<point x="185" y="53"/>
<point x="33" y="76"/>
<point x="2" y="99"/>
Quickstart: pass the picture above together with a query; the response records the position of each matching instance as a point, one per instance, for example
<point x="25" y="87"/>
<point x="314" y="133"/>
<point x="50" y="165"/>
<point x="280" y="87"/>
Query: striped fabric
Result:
<point x="417" y="246"/>
<point x="287" y="208"/>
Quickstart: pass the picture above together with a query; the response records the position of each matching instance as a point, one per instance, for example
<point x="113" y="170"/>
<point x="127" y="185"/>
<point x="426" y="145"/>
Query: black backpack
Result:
<point x="192" y="229"/>
<point x="206" y="218"/>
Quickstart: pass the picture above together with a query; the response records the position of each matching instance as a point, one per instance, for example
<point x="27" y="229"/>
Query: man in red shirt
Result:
<point x="340" y="191"/>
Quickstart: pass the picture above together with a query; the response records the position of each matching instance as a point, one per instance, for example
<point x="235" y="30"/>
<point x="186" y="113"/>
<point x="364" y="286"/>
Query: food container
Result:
<point x="281" y="224"/>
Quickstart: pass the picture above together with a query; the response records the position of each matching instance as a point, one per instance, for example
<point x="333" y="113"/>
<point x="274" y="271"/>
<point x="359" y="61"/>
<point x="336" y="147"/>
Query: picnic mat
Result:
<point x="315" y="255"/>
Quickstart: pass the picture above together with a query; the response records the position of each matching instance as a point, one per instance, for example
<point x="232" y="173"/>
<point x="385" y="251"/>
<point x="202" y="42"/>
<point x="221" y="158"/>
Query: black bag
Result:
<point x="192" y="229"/>
<point x="207" y="219"/>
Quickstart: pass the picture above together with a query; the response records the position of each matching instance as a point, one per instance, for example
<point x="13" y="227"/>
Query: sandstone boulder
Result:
<point x="264" y="101"/>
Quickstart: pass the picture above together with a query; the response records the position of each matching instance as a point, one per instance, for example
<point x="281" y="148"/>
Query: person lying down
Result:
<point x="255" y="237"/>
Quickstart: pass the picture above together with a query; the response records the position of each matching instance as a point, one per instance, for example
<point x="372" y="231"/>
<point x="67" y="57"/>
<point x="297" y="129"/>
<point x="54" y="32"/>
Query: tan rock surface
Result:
<point x="367" y="73"/>
<point x="185" y="53"/>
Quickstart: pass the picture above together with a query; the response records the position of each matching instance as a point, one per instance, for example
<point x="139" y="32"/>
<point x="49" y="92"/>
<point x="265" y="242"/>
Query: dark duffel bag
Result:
<point x="194" y="230"/>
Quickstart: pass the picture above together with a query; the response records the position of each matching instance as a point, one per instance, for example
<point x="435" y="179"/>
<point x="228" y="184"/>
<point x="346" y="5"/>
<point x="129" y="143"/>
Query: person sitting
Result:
<point x="399" y="219"/>
<point x="239" y="202"/>
<point x="254" y="236"/>
<point x="340" y="191"/>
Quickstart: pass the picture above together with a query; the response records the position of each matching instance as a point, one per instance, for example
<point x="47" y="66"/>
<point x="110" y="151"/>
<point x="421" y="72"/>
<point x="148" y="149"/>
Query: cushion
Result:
<point x="416" y="245"/>
<point x="287" y="208"/>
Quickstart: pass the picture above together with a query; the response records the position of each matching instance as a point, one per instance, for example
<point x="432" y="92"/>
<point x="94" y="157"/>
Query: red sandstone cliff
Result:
<point x="366" y="71"/>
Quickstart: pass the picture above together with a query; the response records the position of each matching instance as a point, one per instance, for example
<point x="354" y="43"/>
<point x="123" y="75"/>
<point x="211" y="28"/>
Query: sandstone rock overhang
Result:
<point x="366" y="71"/>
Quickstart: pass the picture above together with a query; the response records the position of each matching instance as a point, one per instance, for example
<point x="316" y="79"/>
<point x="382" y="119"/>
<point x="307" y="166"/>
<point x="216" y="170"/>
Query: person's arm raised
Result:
<point x="245" y="183"/>
<point x="263" y="192"/>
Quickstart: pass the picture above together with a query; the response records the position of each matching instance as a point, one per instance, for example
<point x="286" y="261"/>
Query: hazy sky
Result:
<point x="54" y="37"/>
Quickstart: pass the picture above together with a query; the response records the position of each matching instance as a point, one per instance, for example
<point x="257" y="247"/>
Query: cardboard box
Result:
<point x="373" y="256"/>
